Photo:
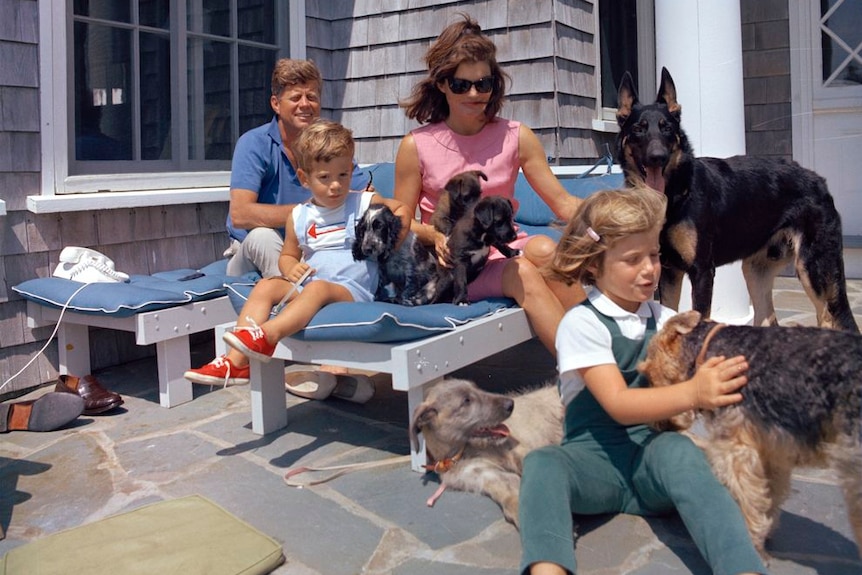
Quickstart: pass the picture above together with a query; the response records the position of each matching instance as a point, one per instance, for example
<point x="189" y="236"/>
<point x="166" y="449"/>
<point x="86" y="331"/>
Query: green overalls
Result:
<point x="605" y="467"/>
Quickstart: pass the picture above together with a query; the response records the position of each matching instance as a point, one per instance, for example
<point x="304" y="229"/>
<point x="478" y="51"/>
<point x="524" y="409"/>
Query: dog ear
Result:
<point x="684" y="322"/>
<point x="483" y="213"/>
<point x="627" y="98"/>
<point x="422" y="417"/>
<point x="359" y="233"/>
<point x="394" y="228"/>
<point x="667" y="95"/>
<point x="481" y="174"/>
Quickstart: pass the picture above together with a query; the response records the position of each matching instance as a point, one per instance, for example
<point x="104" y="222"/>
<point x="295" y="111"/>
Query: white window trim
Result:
<point x="61" y="192"/>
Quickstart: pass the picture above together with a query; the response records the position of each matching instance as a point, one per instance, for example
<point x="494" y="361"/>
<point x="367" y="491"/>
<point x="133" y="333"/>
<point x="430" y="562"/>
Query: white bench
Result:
<point x="169" y="329"/>
<point x="411" y="364"/>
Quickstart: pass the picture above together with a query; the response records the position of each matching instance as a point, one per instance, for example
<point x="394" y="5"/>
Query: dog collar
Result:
<point x="701" y="357"/>
<point x="444" y="465"/>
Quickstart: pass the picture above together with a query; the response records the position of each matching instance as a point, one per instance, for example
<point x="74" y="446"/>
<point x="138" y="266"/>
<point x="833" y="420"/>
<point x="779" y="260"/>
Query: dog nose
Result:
<point x="656" y="154"/>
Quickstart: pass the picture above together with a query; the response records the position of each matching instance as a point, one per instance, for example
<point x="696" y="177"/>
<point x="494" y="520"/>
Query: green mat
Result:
<point x="186" y="536"/>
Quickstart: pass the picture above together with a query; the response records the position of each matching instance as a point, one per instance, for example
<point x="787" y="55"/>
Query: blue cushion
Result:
<point x="141" y="293"/>
<point x="533" y="211"/>
<point x="383" y="178"/>
<point x="381" y="322"/>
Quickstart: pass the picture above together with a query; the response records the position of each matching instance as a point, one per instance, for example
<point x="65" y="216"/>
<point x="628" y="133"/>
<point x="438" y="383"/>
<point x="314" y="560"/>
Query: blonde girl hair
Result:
<point x="602" y="219"/>
<point x="322" y="141"/>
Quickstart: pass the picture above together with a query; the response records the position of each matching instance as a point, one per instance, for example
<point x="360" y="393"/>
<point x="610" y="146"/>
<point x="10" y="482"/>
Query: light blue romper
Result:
<point x="326" y="236"/>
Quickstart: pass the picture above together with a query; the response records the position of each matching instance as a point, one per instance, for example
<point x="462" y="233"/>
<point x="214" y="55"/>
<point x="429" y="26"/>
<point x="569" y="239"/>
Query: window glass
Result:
<point x="153" y="93"/>
<point x="103" y="99"/>
<point x="619" y="46"/>
<point x="115" y="10"/>
<point x="841" y="37"/>
<point x="154" y="13"/>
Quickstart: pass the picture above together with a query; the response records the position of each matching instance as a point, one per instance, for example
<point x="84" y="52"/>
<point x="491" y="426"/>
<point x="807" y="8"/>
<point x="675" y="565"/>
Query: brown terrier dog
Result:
<point x="801" y="406"/>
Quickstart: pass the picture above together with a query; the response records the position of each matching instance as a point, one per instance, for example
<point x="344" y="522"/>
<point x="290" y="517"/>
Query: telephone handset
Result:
<point x="87" y="266"/>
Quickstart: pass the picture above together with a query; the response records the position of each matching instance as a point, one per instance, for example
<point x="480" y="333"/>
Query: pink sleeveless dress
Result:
<point x="494" y="150"/>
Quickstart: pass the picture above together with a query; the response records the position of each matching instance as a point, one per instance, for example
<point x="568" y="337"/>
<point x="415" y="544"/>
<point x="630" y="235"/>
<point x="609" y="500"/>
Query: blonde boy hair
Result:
<point x="601" y="220"/>
<point x="290" y="72"/>
<point x="322" y="141"/>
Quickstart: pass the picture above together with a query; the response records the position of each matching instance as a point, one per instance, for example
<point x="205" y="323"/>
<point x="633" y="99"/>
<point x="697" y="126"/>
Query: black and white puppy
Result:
<point x="488" y="223"/>
<point x="409" y="275"/>
<point x="461" y="193"/>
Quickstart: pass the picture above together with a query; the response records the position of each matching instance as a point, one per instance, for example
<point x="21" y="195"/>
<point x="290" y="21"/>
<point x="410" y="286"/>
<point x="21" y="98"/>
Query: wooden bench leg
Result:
<point x="73" y="342"/>
<point x="172" y="357"/>
<point x="268" y="398"/>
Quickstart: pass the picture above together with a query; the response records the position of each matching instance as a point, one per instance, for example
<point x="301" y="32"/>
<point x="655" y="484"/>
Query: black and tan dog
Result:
<point x="765" y="212"/>
<point x="801" y="407"/>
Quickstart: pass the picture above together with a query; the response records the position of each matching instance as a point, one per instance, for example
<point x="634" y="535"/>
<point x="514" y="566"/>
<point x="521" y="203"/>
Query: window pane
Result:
<point x="209" y="100"/>
<point x="619" y="46"/>
<point x="256" y="20"/>
<point x="846" y="24"/>
<point x="255" y="72"/>
<point x="155" y="97"/>
<point x="210" y="17"/>
<point x="103" y="98"/>
<point x="154" y="13"/>
<point x="116" y="10"/>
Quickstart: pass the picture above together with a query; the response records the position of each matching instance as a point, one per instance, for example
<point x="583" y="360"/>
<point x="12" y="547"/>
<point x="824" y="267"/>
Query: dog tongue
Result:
<point x="655" y="179"/>
<point x="499" y="430"/>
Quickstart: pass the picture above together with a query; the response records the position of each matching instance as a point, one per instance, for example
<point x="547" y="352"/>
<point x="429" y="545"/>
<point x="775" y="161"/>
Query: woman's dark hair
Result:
<point x="461" y="41"/>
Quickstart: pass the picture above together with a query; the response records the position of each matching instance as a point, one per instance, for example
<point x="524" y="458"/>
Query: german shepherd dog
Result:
<point x="477" y="440"/>
<point x="802" y="406"/>
<point x="765" y="212"/>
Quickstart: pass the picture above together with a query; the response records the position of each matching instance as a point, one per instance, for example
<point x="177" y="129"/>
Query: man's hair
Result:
<point x="289" y="72"/>
<point x="322" y="141"/>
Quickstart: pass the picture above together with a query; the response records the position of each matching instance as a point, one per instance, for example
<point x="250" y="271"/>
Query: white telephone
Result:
<point x="87" y="266"/>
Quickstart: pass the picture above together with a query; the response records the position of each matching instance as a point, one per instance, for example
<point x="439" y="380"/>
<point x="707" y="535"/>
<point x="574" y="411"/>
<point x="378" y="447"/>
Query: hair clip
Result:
<point x="592" y="233"/>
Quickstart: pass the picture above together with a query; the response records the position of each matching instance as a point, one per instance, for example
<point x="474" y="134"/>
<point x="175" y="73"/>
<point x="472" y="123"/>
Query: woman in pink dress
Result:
<point x="458" y="104"/>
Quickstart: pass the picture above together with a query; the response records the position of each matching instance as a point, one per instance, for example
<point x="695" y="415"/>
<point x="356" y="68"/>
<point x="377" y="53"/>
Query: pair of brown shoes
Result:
<point x="96" y="398"/>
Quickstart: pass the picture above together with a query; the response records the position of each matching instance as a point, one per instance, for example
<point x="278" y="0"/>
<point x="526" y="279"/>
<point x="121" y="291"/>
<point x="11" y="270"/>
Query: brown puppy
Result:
<point x="461" y="193"/>
<point x="801" y="406"/>
<point x="478" y="439"/>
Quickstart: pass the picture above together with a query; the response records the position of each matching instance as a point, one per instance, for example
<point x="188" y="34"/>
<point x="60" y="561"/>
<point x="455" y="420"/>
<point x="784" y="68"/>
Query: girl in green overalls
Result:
<point x="610" y="461"/>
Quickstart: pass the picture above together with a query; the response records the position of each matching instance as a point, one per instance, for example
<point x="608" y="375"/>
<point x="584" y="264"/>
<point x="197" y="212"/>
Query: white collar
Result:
<point x="606" y="306"/>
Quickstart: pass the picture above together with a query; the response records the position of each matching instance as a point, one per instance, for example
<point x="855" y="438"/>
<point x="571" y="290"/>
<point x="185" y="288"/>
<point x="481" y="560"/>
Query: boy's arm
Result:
<point x="291" y="254"/>
<point x="400" y="210"/>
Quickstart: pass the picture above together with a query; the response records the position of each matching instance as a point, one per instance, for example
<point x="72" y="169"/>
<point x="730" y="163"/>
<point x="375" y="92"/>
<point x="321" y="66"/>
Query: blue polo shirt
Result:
<point x="260" y="164"/>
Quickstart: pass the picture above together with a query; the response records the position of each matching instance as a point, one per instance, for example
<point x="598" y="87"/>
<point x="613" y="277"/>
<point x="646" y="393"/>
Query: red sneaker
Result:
<point x="219" y="371"/>
<point x="251" y="341"/>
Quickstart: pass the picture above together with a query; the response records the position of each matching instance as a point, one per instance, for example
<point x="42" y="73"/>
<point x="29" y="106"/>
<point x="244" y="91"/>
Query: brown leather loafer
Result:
<point x="96" y="398"/>
<point x="49" y="412"/>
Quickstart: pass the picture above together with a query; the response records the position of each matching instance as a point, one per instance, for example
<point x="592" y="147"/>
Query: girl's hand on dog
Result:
<point x="717" y="382"/>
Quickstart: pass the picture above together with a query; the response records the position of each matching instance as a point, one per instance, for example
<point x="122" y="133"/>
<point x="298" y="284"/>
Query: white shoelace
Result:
<point x="255" y="330"/>
<point x="219" y="362"/>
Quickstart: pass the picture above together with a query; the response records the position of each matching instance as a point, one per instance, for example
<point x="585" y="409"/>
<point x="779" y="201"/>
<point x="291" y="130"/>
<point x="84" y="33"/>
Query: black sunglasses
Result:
<point x="461" y="86"/>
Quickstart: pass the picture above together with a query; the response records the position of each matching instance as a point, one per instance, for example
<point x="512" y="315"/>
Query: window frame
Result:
<point x="61" y="191"/>
<point x="606" y="118"/>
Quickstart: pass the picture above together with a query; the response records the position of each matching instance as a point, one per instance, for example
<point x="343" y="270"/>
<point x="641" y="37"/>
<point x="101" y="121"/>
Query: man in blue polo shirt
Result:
<point x="263" y="182"/>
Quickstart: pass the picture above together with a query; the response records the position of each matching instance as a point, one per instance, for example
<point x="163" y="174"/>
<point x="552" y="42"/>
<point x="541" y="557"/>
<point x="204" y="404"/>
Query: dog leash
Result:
<point x="277" y="309"/>
<point x="339" y="470"/>
<point x="701" y="357"/>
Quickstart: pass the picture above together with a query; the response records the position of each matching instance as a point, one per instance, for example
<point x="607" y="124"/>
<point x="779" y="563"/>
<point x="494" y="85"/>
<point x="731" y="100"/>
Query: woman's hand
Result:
<point x="717" y="382"/>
